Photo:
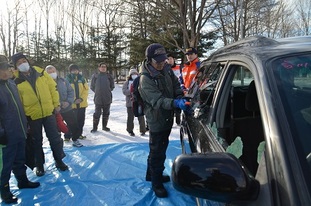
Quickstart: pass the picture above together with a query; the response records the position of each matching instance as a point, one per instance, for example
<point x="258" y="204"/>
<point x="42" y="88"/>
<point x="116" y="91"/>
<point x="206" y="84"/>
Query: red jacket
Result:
<point x="189" y="71"/>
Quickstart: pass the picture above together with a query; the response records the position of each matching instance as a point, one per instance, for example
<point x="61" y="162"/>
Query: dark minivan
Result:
<point x="248" y="139"/>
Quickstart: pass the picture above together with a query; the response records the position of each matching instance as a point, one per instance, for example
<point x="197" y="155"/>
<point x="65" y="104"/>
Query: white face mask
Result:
<point x="53" y="75"/>
<point x="24" y="67"/>
<point x="134" y="76"/>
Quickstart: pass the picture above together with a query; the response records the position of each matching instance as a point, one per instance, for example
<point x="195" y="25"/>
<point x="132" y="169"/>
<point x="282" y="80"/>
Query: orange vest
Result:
<point x="189" y="71"/>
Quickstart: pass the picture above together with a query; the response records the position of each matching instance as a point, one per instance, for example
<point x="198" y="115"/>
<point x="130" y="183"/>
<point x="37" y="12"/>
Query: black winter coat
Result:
<point x="13" y="123"/>
<point x="102" y="84"/>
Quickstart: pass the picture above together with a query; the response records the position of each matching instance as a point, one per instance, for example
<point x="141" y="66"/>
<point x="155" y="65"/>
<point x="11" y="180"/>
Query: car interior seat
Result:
<point x="250" y="130"/>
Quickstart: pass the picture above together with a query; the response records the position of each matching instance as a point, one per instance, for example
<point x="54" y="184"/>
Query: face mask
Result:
<point x="24" y="67"/>
<point x="134" y="76"/>
<point x="53" y="75"/>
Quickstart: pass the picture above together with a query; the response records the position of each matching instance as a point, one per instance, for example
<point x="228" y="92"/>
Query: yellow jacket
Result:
<point x="81" y="89"/>
<point x="42" y="98"/>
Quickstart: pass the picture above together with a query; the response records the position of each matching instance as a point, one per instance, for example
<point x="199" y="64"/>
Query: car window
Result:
<point x="293" y="77"/>
<point x="242" y="77"/>
<point x="238" y="116"/>
<point x="202" y="90"/>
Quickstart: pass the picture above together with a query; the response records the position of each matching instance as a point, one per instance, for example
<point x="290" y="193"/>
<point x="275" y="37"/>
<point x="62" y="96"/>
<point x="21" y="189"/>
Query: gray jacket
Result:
<point x="66" y="93"/>
<point x="102" y="84"/>
<point x="127" y="92"/>
<point x="158" y="90"/>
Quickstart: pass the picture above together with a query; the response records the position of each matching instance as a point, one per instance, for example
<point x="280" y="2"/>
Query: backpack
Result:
<point x="137" y="101"/>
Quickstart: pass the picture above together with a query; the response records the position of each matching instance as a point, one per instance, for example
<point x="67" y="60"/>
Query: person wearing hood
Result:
<point x="13" y="134"/>
<point x="126" y="89"/>
<point x="161" y="93"/>
<point x="102" y="85"/>
<point x="40" y="100"/>
<point x="66" y="97"/>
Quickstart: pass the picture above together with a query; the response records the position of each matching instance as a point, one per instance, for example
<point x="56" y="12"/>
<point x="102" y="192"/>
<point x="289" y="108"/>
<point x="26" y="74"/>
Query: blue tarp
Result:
<point x="109" y="174"/>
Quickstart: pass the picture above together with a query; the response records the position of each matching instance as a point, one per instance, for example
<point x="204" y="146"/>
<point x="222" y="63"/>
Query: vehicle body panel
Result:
<point x="283" y="175"/>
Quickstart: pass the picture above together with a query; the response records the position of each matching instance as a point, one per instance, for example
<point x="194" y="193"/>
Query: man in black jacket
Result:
<point x="102" y="84"/>
<point x="13" y="126"/>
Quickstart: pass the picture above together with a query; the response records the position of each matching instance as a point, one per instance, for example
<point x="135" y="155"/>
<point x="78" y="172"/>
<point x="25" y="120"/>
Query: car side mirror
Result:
<point x="214" y="176"/>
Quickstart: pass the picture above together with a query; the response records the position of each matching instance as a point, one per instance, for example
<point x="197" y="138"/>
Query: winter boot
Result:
<point x="6" y="194"/>
<point x="61" y="165"/>
<point x="104" y="124"/>
<point x="95" y="125"/>
<point x="159" y="190"/>
<point x="23" y="182"/>
<point x="164" y="179"/>
<point x="40" y="170"/>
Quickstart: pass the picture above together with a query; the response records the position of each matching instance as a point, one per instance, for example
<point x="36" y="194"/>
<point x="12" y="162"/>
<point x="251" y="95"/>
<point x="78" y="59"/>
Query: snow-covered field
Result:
<point x="108" y="170"/>
<point x="116" y="123"/>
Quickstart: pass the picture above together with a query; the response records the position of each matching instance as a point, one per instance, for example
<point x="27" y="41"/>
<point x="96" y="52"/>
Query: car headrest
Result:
<point x="251" y="100"/>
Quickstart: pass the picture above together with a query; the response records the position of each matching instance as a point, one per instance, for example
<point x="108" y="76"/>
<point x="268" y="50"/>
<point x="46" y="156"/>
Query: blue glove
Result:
<point x="183" y="104"/>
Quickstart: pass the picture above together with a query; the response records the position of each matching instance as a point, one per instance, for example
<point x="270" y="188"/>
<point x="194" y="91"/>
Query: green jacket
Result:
<point x="158" y="90"/>
<point x="38" y="93"/>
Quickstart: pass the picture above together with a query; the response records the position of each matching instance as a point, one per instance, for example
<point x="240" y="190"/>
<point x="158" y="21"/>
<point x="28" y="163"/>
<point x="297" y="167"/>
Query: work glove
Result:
<point x="183" y="104"/>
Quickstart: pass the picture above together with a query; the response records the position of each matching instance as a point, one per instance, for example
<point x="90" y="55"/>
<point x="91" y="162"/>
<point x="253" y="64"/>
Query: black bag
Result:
<point x="137" y="101"/>
<point x="30" y="156"/>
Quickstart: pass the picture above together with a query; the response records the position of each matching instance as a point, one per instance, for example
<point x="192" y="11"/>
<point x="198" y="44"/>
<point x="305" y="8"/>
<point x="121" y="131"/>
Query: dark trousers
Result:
<point x="56" y="142"/>
<point x="130" y="121"/>
<point x="158" y="143"/>
<point x="12" y="159"/>
<point x="70" y="118"/>
<point x="103" y="110"/>
<point x="80" y="118"/>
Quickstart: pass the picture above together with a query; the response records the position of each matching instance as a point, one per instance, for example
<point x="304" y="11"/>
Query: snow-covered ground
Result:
<point x="108" y="170"/>
<point x="117" y="123"/>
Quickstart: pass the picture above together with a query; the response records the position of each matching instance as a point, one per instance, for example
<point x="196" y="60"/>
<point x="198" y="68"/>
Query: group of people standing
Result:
<point x="31" y="97"/>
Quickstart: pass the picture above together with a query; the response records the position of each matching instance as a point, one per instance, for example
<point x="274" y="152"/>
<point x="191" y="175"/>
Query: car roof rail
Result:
<point x="253" y="41"/>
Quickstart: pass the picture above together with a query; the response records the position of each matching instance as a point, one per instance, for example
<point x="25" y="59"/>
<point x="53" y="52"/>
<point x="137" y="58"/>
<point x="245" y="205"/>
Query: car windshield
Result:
<point x="293" y="78"/>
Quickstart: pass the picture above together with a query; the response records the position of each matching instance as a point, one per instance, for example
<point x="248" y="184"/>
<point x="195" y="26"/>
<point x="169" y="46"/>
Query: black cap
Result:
<point x="17" y="57"/>
<point x="191" y="50"/>
<point x="156" y="51"/>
